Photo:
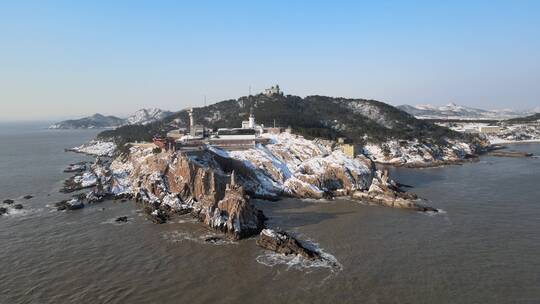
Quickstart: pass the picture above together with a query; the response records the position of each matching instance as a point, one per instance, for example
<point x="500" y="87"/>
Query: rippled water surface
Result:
<point x="485" y="247"/>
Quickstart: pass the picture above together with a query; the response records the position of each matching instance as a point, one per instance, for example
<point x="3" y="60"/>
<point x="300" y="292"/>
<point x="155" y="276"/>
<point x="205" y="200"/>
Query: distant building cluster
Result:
<point x="197" y="137"/>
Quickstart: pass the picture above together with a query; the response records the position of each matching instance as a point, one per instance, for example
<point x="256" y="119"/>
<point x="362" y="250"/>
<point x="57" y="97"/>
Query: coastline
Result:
<point x="531" y="141"/>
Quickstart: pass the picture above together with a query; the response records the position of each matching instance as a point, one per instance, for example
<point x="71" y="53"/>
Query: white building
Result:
<point x="274" y="90"/>
<point x="489" y="129"/>
<point x="250" y="123"/>
<point x="236" y="134"/>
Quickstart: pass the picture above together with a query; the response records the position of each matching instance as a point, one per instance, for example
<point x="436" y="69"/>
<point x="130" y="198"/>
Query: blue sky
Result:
<point x="72" y="58"/>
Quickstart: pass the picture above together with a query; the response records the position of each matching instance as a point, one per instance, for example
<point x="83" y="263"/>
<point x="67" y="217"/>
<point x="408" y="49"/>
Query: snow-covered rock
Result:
<point x="454" y="111"/>
<point x="414" y="153"/>
<point x="97" y="148"/>
<point x="509" y="133"/>
<point x="303" y="168"/>
<point x="87" y="179"/>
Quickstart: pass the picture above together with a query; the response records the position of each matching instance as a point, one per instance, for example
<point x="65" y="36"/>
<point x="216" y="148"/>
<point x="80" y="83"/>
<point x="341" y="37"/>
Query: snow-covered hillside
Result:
<point x="454" y="111"/>
<point x="299" y="167"/>
<point x="507" y="133"/>
<point x="146" y="116"/>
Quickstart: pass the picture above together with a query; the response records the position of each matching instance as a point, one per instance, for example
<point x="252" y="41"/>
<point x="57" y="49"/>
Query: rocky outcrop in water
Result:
<point x="121" y="219"/>
<point x="79" y="182"/>
<point x="72" y="204"/>
<point x="283" y="243"/>
<point x="9" y="205"/>
<point x="384" y="192"/>
<point x="77" y="167"/>
<point x="235" y="215"/>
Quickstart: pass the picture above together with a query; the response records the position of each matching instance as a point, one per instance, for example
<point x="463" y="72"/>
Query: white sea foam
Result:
<point x="14" y="213"/>
<point x="319" y="200"/>
<point x="206" y="238"/>
<point x="433" y="213"/>
<point x="300" y="263"/>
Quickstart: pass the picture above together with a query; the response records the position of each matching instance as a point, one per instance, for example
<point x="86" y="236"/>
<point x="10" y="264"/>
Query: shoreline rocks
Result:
<point x="79" y="182"/>
<point x="387" y="193"/>
<point x="10" y="205"/>
<point x="76" y="168"/>
<point x="121" y="219"/>
<point x="509" y="154"/>
<point x="283" y="243"/>
<point x="216" y="186"/>
<point x="439" y="163"/>
<point x="95" y="148"/>
<point x="73" y="204"/>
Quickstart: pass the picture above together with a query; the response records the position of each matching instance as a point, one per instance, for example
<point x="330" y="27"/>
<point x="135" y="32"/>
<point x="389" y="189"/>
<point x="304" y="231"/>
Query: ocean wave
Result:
<point x="319" y="200"/>
<point x="205" y="238"/>
<point x="297" y="262"/>
<point x="16" y="213"/>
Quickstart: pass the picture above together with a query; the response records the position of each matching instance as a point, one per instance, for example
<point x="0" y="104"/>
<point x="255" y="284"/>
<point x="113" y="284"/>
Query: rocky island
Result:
<point x="214" y="173"/>
<point x="216" y="185"/>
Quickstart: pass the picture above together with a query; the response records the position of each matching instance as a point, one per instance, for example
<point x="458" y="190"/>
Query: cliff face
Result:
<point x="196" y="183"/>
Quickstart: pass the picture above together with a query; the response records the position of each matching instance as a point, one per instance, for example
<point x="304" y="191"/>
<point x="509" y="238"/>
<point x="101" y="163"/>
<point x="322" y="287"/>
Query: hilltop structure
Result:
<point x="273" y="90"/>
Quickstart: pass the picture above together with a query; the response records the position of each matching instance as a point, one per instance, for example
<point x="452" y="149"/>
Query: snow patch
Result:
<point x="97" y="148"/>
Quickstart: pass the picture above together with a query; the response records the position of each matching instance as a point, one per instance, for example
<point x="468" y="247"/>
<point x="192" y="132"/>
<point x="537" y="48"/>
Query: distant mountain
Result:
<point x="95" y="121"/>
<point x="454" y="111"/>
<point x="99" y="121"/>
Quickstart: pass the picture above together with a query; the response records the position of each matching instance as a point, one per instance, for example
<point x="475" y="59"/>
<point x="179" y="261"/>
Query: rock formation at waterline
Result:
<point x="178" y="183"/>
<point x="216" y="185"/>
<point x="283" y="243"/>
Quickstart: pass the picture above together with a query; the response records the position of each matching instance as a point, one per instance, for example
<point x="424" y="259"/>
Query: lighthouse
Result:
<point x="191" y="122"/>
<point x="251" y="123"/>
